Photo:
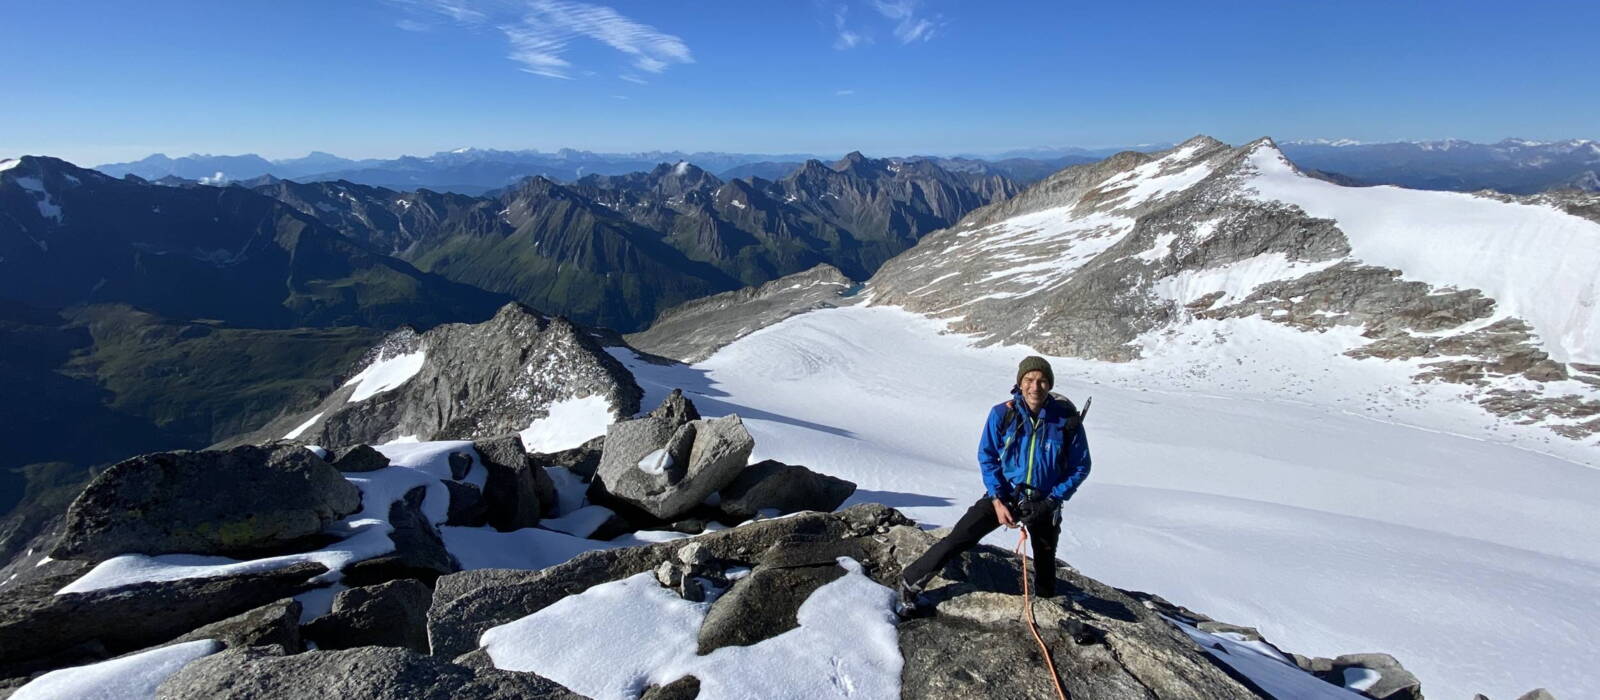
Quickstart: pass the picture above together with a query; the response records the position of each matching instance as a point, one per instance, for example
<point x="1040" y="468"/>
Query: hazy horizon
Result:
<point x="382" y="78"/>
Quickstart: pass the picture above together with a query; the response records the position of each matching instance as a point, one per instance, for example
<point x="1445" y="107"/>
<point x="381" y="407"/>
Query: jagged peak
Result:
<point x="516" y="311"/>
<point x="854" y="161"/>
<point x="538" y="185"/>
<point x="1202" y="141"/>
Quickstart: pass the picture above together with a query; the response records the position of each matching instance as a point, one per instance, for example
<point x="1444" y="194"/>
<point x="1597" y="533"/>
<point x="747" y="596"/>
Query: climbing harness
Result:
<point x="1027" y="612"/>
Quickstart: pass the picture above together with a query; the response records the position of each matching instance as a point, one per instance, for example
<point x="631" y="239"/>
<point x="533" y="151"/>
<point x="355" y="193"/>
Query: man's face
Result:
<point x="1035" y="389"/>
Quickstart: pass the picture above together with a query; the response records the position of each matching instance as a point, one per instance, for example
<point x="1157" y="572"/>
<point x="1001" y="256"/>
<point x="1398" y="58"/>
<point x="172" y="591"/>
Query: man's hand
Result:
<point x="1003" y="513"/>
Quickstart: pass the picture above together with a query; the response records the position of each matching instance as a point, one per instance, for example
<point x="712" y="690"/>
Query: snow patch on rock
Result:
<point x="134" y="676"/>
<point x="846" y="644"/>
<point x="570" y="423"/>
<point x="385" y="374"/>
<point x="303" y="427"/>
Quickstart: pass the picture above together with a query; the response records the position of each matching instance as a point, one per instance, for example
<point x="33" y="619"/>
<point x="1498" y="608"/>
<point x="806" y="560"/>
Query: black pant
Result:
<point x="978" y="521"/>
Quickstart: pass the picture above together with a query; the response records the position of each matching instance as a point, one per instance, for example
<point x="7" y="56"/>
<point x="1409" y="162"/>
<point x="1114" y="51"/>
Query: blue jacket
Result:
<point x="1035" y="452"/>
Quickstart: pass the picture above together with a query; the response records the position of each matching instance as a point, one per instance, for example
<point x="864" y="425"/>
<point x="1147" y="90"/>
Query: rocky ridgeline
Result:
<point x="410" y="624"/>
<point x="1092" y="258"/>
<point x="463" y="381"/>
<point x="693" y="331"/>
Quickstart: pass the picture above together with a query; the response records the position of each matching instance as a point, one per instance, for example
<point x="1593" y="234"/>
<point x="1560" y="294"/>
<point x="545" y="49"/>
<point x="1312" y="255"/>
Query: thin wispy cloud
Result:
<point x="843" y="93"/>
<point x="846" y="37"/>
<point x="633" y="79"/>
<point x="412" y="25"/>
<point x="909" y="26"/>
<point x="457" y="10"/>
<point x="540" y="33"/>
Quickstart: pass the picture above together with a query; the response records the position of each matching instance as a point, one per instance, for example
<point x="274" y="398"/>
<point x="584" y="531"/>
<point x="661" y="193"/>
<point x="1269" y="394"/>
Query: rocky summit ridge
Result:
<point x="738" y="602"/>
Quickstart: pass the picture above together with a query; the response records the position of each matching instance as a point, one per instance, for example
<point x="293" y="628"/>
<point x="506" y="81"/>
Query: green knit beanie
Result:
<point x="1034" y="362"/>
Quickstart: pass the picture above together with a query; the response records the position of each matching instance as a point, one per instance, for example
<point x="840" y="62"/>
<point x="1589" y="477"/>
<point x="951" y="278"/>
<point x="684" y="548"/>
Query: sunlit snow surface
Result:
<point x="845" y="645"/>
<point x="1243" y="469"/>
<point x="571" y="423"/>
<point x="132" y="676"/>
<point x="303" y="427"/>
<point x="1536" y="262"/>
<point x="385" y="374"/>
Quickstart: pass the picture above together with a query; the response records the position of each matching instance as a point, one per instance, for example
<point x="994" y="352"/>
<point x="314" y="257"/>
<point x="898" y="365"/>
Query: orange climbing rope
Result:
<point x="1027" y="611"/>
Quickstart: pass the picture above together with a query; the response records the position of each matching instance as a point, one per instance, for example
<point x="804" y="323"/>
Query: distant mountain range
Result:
<point x="477" y="171"/>
<point x="1513" y="166"/>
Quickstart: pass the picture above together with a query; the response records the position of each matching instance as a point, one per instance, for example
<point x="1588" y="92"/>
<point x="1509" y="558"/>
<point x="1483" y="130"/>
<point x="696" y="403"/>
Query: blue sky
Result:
<point x="102" y="81"/>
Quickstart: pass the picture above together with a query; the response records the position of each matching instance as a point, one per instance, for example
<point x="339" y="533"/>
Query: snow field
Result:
<point x="570" y="423"/>
<point x="1360" y="513"/>
<point x="1536" y="262"/>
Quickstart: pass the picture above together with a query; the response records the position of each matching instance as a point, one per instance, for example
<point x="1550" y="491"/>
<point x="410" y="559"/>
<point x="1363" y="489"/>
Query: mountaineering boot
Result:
<point x="908" y="606"/>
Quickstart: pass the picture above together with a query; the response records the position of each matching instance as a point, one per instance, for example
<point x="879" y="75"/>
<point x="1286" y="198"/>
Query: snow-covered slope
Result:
<point x="1274" y="494"/>
<point x="1538" y="263"/>
<point x="1491" y="294"/>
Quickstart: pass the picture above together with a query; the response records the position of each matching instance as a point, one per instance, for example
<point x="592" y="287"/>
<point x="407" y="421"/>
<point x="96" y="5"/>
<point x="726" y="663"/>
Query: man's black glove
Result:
<point x="1031" y="512"/>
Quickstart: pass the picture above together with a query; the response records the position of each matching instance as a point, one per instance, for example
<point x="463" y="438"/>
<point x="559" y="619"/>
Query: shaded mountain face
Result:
<point x="73" y="236"/>
<point x="613" y="250"/>
<point x="542" y="243"/>
<point x="853" y="214"/>
<point x="1514" y="166"/>
<point x="1115" y="260"/>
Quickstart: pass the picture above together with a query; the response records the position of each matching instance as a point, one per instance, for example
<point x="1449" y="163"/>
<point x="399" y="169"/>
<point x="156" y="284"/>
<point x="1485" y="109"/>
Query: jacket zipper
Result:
<point x="1033" y="443"/>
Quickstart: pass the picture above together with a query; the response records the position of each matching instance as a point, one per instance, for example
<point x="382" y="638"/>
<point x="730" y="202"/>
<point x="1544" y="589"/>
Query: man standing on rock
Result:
<point x="1033" y="454"/>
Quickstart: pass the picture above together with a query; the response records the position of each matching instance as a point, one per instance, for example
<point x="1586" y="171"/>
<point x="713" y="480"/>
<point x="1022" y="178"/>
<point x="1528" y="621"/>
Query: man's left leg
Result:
<point x="1044" y="534"/>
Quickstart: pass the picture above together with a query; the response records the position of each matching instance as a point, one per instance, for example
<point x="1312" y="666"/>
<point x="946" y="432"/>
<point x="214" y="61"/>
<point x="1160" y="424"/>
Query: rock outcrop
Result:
<point x="419" y="552"/>
<point x="40" y="629"/>
<point x="696" y="460"/>
<point x="517" y="491"/>
<point x="392" y="614"/>
<point x="238" y="501"/>
<point x="372" y="673"/>
<point x="462" y="381"/>
<point x="357" y="458"/>
<point x="694" y="330"/>
<point x="774" y="488"/>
